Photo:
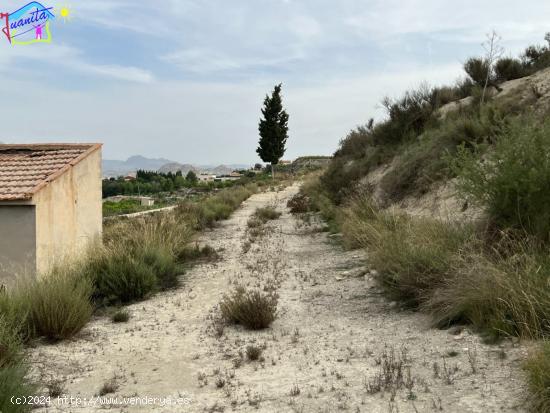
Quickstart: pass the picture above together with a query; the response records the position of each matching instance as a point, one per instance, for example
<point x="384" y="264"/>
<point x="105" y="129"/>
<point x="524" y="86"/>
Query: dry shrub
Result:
<point x="412" y="256"/>
<point x="251" y="308"/>
<point x="503" y="294"/>
<point x="121" y="316"/>
<point x="267" y="213"/>
<point x="253" y="353"/>
<point x="60" y="304"/>
<point x="299" y="204"/>
<point x="254" y="222"/>
<point x="206" y="213"/>
<point x="55" y="306"/>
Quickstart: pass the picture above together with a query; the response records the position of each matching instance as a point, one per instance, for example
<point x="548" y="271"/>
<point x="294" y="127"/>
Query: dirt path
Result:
<point x="333" y="335"/>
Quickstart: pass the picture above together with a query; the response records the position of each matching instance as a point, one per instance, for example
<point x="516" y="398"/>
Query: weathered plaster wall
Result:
<point x="69" y="213"/>
<point x="17" y="241"/>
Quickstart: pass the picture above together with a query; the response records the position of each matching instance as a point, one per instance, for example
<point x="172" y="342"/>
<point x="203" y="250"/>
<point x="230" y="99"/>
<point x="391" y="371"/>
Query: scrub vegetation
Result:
<point x="491" y="273"/>
<point x="138" y="257"/>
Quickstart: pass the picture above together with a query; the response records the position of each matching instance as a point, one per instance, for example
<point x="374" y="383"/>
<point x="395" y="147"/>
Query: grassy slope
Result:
<point x="493" y="274"/>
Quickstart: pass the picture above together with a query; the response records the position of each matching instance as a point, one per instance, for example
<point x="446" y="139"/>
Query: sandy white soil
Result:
<point x="333" y="334"/>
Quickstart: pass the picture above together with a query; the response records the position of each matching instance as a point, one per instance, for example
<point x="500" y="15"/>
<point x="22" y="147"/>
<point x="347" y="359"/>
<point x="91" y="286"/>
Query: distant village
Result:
<point x="142" y="191"/>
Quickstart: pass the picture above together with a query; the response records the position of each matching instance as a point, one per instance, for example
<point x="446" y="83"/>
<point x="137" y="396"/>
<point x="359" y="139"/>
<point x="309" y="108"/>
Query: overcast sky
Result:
<point x="185" y="79"/>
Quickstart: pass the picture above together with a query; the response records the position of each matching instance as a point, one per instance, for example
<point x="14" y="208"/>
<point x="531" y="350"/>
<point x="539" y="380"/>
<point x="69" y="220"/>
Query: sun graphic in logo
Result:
<point x="65" y="13"/>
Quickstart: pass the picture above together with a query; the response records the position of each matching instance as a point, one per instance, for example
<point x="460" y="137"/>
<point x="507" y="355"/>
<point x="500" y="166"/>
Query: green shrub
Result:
<point x="251" y="308"/>
<point x="373" y="144"/>
<point x="206" y="213"/>
<point x="10" y="344"/>
<point x="408" y="116"/>
<point x="424" y="162"/>
<point x="412" y="256"/>
<point x="355" y="144"/>
<point x="321" y="202"/>
<point x="195" y="253"/>
<point x="164" y="267"/>
<point x="508" y="68"/>
<point x="415" y="257"/>
<point x="121" y="277"/>
<point x="167" y="231"/>
<point x="13" y="383"/>
<point x="55" y="306"/>
<point x="60" y="303"/>
<point x="15" y="309"/>
<point x="512" y="180"/>
<point x="538" y="372"/>
<point x="502" y="293"/>
<point x="120" y="316"/>
<point x="536" y="57"/>
<point x="341" y="177"/>
<point x="477" y="69"/>
<point x="13" y="370"/>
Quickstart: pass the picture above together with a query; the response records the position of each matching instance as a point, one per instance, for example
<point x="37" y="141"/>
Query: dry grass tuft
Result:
<point x="268" y="213"/>
<point x="251" y="308"/>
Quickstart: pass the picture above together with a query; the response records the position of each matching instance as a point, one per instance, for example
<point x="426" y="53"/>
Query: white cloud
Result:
<point x="128" y="73"/>
<point x="69" y="57"/>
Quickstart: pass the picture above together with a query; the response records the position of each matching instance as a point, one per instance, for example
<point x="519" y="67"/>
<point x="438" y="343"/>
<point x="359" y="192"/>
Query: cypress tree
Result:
<point x="273" y="129"/>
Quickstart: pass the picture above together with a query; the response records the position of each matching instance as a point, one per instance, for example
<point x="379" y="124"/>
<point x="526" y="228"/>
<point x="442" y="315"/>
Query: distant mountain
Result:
<point x="132" y="164"/>
<point x="175" y="167"/>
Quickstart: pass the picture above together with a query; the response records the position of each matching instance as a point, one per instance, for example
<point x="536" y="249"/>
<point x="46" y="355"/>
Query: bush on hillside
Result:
<point x="425" y="162"/>
<point x="415" y="257"/>
<point x="477" y="68"/>
<point x="508" y="68"/>
<point x="536" y="58"/>
<point x="356" y="142"/>
<point x="511" y="180"/>
<point x="500" y="293"/>
<point x="412" y="256"/>
<point x="408" y="116"/>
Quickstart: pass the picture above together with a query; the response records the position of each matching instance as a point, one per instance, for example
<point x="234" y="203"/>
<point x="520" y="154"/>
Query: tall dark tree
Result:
<point x="273" y="129"/>
<point x="191" y="177"/>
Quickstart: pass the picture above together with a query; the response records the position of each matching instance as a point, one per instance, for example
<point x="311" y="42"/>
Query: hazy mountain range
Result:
<point x="133" y="163"/>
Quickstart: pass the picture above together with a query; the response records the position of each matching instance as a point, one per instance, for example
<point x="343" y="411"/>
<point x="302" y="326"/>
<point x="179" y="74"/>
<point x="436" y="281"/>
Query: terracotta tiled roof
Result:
<point x="25" y="169"/>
